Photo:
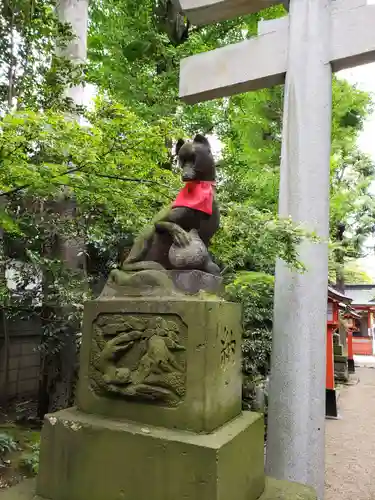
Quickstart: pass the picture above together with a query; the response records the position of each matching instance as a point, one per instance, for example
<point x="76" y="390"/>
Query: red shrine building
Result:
<point x="363" y="302"/>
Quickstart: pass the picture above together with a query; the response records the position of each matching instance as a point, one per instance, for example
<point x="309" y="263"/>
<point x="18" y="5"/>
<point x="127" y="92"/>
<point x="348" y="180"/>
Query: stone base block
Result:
<point x="351" y="366"/>
<point x="274" y="490"/>
<point x="338" y="350"/>
<point x="285" y="490"/>
<point x="85" y="457"/>
<point x="341" y="368"/>
<point x="331" y="403"/>
<point x="161" y="283"/>
<point x="172" y="363"/>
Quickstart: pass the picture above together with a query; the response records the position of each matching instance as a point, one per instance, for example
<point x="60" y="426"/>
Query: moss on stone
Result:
<point x="285" y="490"/>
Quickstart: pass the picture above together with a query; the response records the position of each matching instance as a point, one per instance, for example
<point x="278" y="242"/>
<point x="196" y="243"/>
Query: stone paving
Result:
<point x="350" y="440"/>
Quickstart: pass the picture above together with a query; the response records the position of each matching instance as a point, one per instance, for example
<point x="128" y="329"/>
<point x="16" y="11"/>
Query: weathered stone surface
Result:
<point x="341" y="359"/>
<point x="191" y="256"/>
<point x="162" y="283"/>
<point x="274" y="490"/>
<point x="341" y="368"/>
<point x="150" y="282"/>
<point x="197" y="387"/>
<point x="139" y="357"/>
<point x="193" y="282"/>
<point x="101" y="459"/>
<point x="338" y="350"/>
<point x="285" y="490"/>
<point x="336" y="339"/>
<point x="343" y="340"/>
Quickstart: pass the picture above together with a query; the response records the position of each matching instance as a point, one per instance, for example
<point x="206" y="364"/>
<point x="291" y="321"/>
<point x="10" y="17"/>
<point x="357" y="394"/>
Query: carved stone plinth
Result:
<point x="170" y="362"/>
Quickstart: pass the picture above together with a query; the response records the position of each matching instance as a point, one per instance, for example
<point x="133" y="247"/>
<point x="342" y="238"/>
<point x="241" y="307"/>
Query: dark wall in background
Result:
<point x="23" y="357"/>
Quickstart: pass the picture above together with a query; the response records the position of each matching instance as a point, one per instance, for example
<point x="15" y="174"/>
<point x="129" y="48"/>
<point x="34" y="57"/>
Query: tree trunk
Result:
<point x="60" y="359"/>
<point x="340" y="279"/>
<point x="4" y="379"/>
<point x="11" y="67"/>
<point x="339" y="257"/>
<point x="75" y="13"/>
<point x="5" y="351"/>
<point x="59" y="370"/>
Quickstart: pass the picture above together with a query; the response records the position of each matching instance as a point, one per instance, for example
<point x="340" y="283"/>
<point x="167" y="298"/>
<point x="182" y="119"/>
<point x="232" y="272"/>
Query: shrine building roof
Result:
<point x="361" y="295"/>
<point x="337" y="296"/>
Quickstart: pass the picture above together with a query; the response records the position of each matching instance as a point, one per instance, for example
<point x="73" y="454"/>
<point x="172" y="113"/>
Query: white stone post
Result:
<point x="296" y="413"/>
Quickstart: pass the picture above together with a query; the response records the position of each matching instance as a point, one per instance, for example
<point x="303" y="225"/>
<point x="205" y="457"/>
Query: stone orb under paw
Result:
<point x="191" y="256"/>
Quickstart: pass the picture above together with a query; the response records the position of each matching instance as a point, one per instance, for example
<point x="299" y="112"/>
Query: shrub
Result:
<point x="30" y="460"/>
<point x="7" y="443"/>
<point x="255" y="292"/>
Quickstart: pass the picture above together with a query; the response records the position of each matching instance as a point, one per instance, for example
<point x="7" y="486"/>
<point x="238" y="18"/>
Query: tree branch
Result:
<point x="25" y="186"/>
<point x="80" y="168"/>
<point x="131" y="179"/>
<point x="121" y="179"/>
<point x="67" y="172"/>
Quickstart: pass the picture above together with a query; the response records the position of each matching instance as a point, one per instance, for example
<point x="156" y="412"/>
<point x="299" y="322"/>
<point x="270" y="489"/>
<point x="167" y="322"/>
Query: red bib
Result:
<point x="198" y="195"/>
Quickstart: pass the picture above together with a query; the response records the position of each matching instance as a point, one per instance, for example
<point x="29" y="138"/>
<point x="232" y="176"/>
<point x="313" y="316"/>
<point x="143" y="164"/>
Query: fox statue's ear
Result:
<point x="179" y="145"/>
<point x="201" y="139"/>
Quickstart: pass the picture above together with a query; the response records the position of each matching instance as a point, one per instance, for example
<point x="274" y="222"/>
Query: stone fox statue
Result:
<point x="179" y="235"/>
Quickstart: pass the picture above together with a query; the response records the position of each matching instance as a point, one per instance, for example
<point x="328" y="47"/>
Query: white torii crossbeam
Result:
<point x="208" y="11"/>
<point x="262" y="61"/>
<point x="301" y="49"/>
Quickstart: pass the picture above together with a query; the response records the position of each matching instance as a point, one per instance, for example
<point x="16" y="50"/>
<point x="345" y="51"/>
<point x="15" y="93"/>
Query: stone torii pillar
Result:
<point x="317" y="36"/>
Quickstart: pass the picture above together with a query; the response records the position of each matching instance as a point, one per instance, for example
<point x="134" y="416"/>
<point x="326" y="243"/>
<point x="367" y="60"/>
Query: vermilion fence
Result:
<point x="362" y="346"/>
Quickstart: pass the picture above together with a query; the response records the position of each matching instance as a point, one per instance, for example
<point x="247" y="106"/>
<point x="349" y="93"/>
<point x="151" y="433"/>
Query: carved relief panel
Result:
<point x="139" y="357"/>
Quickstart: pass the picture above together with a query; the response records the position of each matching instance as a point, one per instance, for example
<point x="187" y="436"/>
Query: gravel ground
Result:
<point x="350" y="441"/>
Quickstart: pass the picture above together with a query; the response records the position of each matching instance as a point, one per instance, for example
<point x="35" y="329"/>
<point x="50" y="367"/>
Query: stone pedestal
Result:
<point x="340" y="360"/>
<point x="105" y="459"/>
<point x="341" y="368"/>
<point x="198" y="345"/>
<point x="338" y="350"/>
<point x="158" y="413"/>
<point x="343" y="341"/>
